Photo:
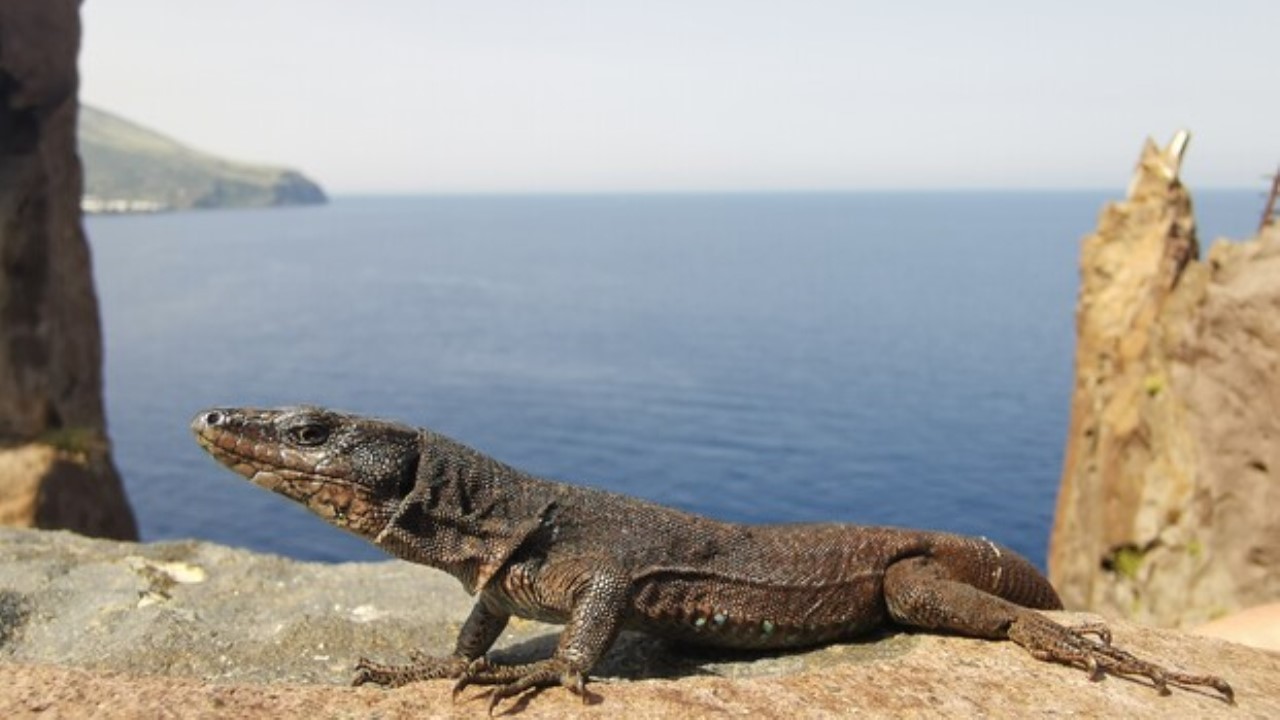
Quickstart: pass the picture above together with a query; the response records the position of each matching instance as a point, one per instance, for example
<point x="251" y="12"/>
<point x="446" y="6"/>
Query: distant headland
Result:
<point x="129" y="169"/>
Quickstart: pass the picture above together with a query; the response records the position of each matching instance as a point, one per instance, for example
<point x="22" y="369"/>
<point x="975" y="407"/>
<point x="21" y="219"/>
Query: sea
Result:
<point x="891" y="358"/>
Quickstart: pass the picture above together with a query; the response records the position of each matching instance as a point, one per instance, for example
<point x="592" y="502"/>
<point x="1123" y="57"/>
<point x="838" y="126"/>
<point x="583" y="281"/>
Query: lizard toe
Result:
<point x="421" y="668"/>
<point x="1047" y="640"/>
<point x="514" y="680"/>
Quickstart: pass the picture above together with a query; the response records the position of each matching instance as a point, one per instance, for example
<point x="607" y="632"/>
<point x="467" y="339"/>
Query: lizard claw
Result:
<point x="1047" y="640"/>
<point x="1090" y="666"/>
<point x="474" y="669"/>
<point x="1100" y="630"/>
<point x="368" y="671"/>
<point x="513" y="680"/>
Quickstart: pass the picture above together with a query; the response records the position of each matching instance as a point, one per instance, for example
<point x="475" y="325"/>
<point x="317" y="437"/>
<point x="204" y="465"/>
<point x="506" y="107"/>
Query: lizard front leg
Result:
<point x="918" y="592"/>
<point x="594" y="620"/>
<point x="479" y="632"/>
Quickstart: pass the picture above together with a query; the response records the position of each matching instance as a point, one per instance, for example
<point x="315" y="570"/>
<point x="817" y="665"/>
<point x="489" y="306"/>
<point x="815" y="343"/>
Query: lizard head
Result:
<point x="352" y="471"/>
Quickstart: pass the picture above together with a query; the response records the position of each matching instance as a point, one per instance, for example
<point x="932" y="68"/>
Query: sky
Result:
<point x="419" y="96"/>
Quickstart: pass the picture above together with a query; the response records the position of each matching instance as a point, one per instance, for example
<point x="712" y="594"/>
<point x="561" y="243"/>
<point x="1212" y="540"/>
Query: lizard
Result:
<point x="599" y="562"/>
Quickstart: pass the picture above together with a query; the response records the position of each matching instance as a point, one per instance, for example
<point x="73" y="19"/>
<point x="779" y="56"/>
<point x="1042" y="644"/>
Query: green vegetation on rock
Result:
<point x="79" y="441"/>
<point x="1127" y="560"/>
<point x="129" y="168"/>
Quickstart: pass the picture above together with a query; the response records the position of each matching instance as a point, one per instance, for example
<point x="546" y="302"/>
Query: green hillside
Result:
<point x="129" y="168"/>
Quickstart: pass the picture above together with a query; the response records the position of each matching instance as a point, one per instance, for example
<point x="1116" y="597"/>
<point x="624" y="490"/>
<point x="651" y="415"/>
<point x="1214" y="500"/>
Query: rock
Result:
<point x="294" y="188"/>
<point x="127" y="630"/>
<point x="1256" y="627"/>
<point x="130" y="168"/>
<point x="1167" y="509"/>
<point x="48" y="487"/>
<point x="50" y="339"/>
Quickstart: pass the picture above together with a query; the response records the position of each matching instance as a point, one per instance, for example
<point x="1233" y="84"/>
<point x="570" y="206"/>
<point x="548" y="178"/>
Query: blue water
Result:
<point x="893" y="358"/>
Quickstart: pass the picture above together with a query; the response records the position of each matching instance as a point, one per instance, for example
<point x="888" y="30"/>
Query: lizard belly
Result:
<point x="734" y="613"/>
<point x="522" y="591"/>
<point x="526" y="608"/>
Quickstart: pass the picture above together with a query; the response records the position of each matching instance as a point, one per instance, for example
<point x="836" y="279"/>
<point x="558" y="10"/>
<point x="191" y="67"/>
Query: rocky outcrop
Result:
<point x="1167" y="509"/>
<point x="130" y="168"/>
<point x="126" y="630"/>
<point x="55" y="466"/>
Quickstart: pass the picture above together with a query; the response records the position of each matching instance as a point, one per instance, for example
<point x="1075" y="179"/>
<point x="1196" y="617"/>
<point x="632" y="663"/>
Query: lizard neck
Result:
<point x="466" y="513"/>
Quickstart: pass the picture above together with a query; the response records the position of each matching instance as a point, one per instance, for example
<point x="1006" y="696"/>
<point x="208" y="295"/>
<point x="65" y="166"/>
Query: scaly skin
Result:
<point x="600" y="563"/>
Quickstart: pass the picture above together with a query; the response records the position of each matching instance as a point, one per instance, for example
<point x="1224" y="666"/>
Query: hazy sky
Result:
<point x="609" y="95"/>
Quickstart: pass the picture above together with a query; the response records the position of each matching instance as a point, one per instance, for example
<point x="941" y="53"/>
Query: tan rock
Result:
<point x="938" y="677"/>
<point x="42" y="486"/>
<point x="1167" y="509"/>
<point x="1256" y="627"/>
<point x="24" y="467"/>
<point x="123" y="630"/>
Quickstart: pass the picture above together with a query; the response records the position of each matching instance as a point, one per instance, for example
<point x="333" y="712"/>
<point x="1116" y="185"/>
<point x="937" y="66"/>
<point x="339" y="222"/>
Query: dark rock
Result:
<point x="50" y="339"/>
<point x="293" y="188"/>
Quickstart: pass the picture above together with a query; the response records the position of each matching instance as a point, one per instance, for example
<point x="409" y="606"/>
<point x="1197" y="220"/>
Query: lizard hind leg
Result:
<point x="920" y="593"/>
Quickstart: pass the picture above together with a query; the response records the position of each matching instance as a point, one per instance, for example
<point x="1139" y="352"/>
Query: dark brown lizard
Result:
<point x="600" y="562"/>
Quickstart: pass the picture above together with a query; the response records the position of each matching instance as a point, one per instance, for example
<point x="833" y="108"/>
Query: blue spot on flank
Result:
<point x="767" y="627"/>
<point x="699" y="622"/>
<point x="720" y="618"/>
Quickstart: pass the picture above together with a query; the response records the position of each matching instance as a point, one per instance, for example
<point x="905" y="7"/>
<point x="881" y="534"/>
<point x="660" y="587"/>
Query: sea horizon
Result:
<point x="900" y="359"/>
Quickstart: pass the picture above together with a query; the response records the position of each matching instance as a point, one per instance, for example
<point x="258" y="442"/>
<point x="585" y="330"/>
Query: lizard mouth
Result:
<point x="266" y="472"/>
<point x="333" y="498"/>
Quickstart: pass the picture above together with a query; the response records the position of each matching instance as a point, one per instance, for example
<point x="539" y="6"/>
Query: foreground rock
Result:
<point x="1167" y="510"/>
<point x="127" y="630"/>
<point x="55" y="464"/>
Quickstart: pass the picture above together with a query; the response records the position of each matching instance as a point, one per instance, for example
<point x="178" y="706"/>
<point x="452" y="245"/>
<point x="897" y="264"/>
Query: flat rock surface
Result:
<point x="188" y="629"/>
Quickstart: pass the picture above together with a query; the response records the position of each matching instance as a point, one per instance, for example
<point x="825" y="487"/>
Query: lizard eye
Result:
<point x="309" y="435"/>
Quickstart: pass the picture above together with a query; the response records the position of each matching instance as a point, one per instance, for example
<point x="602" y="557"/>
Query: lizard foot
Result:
<point x="419" y="667"/>
<point x="1047" y="640"/>
<point x="512" y="680"/>
<point x="1094" y="628"/>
